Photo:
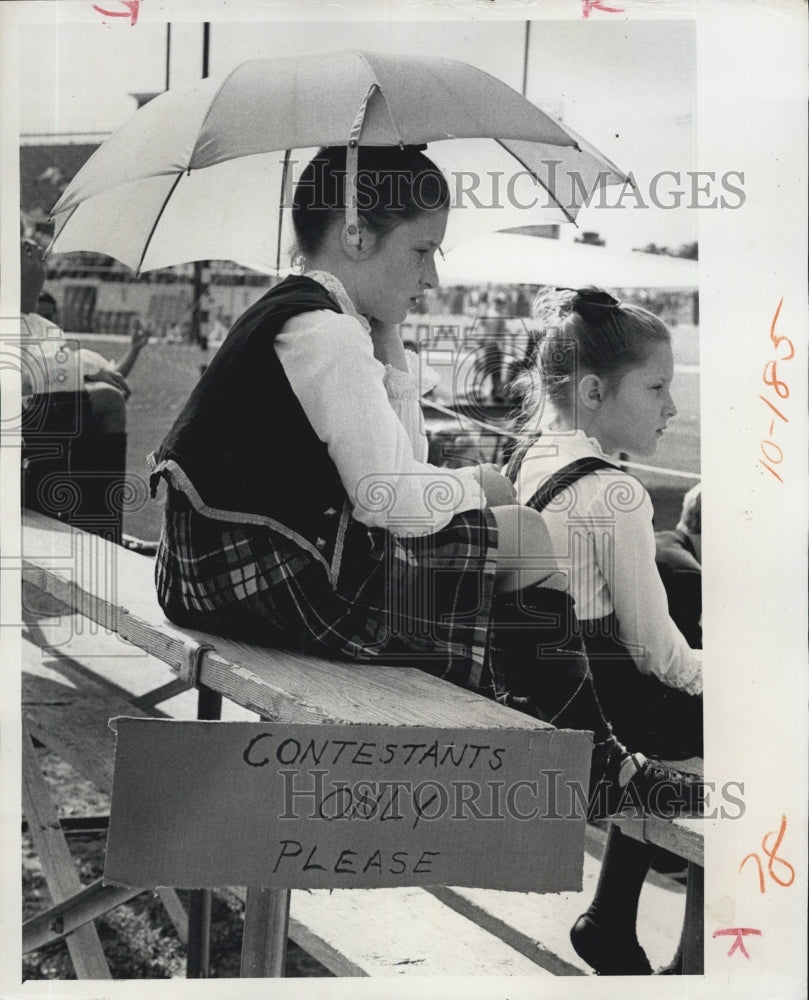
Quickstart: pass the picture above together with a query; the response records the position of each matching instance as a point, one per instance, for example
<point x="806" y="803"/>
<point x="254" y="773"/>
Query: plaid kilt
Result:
<point x="423" y="601"/>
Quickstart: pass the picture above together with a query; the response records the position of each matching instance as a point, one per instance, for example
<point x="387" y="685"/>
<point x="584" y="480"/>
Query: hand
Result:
<point x="140" y="336"/>
<point x="498" y="489"/>
<point x="388" y="345"/>
<point x="111" y="377"/>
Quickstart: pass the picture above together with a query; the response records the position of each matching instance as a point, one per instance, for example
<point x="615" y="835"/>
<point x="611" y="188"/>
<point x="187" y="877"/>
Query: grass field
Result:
<point x="166" y="373"/>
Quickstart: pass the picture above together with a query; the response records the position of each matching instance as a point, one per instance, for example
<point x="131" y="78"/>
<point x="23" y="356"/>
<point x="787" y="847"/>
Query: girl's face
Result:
<point x="633" y="415"/>
<point x="400" y="267"/>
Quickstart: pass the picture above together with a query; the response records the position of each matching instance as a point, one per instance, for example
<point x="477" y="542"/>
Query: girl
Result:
<point x="602" y="385"/>
<point x="301" y="509"/>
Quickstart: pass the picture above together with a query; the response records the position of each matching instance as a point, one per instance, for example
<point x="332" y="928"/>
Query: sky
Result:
<point x="628" y="87"/>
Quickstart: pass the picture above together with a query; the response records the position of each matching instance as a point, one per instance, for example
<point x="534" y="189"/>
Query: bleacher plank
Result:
<point x="284" y="685"/>
<point x="60" y="873"/>
<point x="539" y="925"/>
<point x="74" y="724"/>
<point x="683" y="837"/>
<point x="403" y="931"/>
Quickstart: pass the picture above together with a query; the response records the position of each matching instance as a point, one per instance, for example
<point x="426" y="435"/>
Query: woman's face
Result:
<point x="400" y="267"/>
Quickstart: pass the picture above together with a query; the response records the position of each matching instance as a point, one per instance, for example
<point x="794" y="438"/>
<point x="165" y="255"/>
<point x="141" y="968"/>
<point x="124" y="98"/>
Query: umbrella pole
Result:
<point x="168" y="54"/>
<point x="525" y="58"/>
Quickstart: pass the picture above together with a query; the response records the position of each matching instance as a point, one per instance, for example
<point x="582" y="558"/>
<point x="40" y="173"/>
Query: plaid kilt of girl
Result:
<point x="422" y="601"/>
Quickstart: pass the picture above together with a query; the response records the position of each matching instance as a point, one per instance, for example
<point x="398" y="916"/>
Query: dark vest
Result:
<point x="242" y="439"/>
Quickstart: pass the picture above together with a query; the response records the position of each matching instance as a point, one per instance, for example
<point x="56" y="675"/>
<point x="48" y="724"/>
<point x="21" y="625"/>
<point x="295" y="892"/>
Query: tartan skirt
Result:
<point x="422" y="601"/>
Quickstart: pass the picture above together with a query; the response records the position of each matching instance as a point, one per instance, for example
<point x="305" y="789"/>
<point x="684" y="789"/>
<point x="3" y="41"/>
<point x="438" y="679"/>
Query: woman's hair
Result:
<point x="394" y="184"/>
<point x="579" y="332"/>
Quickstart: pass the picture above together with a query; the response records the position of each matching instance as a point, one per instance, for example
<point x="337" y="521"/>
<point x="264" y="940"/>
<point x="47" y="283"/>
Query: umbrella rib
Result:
<point x="379" y="87"/>
<point x="284" y="174"/>
<point x="569" y="217"/>
<point x="55" y="233"/>
<point x="157" y="221"/>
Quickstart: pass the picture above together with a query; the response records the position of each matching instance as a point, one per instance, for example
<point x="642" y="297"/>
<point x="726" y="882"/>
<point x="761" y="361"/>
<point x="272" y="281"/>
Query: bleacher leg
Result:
<point x="198" y="961"/>
<point x="266" y="926"/>
<point x="693" y="944"/>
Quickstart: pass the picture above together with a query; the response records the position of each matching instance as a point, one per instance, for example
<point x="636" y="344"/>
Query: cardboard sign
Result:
<point x="205" y="804"/>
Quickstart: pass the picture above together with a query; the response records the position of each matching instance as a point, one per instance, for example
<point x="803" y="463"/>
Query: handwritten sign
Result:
<point x="204" y="804"/>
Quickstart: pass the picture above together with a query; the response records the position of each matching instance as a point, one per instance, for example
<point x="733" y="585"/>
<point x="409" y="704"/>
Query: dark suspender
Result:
<point x="565" y="477"/>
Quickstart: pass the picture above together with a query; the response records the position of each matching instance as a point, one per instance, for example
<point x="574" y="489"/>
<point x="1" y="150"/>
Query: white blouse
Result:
<point x="602" y="535"/>
<point x="369" y="417"/>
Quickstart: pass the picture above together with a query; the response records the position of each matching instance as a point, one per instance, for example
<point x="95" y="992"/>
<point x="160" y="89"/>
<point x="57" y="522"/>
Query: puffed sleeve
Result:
<point x="626" y="557"/>
<point x="329" y="361"/>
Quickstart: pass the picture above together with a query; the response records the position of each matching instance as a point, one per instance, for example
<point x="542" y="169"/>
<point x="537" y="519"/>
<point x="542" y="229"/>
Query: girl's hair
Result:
<point x="579" y="332"/>
<point x="394" y="184"/>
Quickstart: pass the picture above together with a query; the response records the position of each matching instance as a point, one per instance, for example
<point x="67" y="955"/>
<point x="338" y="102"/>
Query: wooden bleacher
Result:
<point x="82" y="675"/>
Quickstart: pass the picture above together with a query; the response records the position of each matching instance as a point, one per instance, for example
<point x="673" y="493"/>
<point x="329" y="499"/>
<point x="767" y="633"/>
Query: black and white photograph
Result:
<point x="363" y="376"/>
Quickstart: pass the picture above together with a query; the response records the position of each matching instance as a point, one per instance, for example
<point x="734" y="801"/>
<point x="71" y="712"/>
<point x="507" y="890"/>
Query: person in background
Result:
<point x="490" y="329"/>
<point x="49" y="310"/>
<point x="679" y="562"/>
<point x="74" y="412"/>
<point x="46" y="307"/>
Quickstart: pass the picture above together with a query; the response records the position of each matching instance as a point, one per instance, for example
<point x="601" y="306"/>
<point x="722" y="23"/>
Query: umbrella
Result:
<point x="207" y="172"/>
<point x="516" y="259"/>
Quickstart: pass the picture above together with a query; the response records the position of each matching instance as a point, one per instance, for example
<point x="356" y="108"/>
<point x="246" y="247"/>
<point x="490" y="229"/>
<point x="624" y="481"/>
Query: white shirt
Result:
<point x="602" y="535"/>
<point x="50" y="363"/>
<point x="369" y="417"/>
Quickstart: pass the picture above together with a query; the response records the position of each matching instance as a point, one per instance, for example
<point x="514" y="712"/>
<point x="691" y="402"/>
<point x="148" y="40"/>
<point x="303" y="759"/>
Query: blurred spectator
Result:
<point x="679" y="562"/>
<point x="46" y="307"/>
<point x="74" y="414"/>
<point x="489" y="332"/>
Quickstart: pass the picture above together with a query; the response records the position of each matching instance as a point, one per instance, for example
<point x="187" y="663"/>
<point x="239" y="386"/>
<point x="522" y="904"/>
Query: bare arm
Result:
<point x="139" y="339"/>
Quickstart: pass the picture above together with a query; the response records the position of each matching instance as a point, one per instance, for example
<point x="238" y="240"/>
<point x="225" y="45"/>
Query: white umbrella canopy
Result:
<point x="517" y="259"/>
<point x="207" y="172"/>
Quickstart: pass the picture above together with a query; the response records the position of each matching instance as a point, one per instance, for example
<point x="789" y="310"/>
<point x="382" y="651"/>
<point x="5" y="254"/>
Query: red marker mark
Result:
<point x="770" y="450"/>
<point x="588" y="5"/>
<point x="133" y="7"/>
<point x="772" y="855"/>
<point x="739" y="933"/>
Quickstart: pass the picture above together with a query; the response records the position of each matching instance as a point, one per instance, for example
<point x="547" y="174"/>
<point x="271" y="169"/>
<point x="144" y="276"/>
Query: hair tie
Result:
<point x="591" y="303"/>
